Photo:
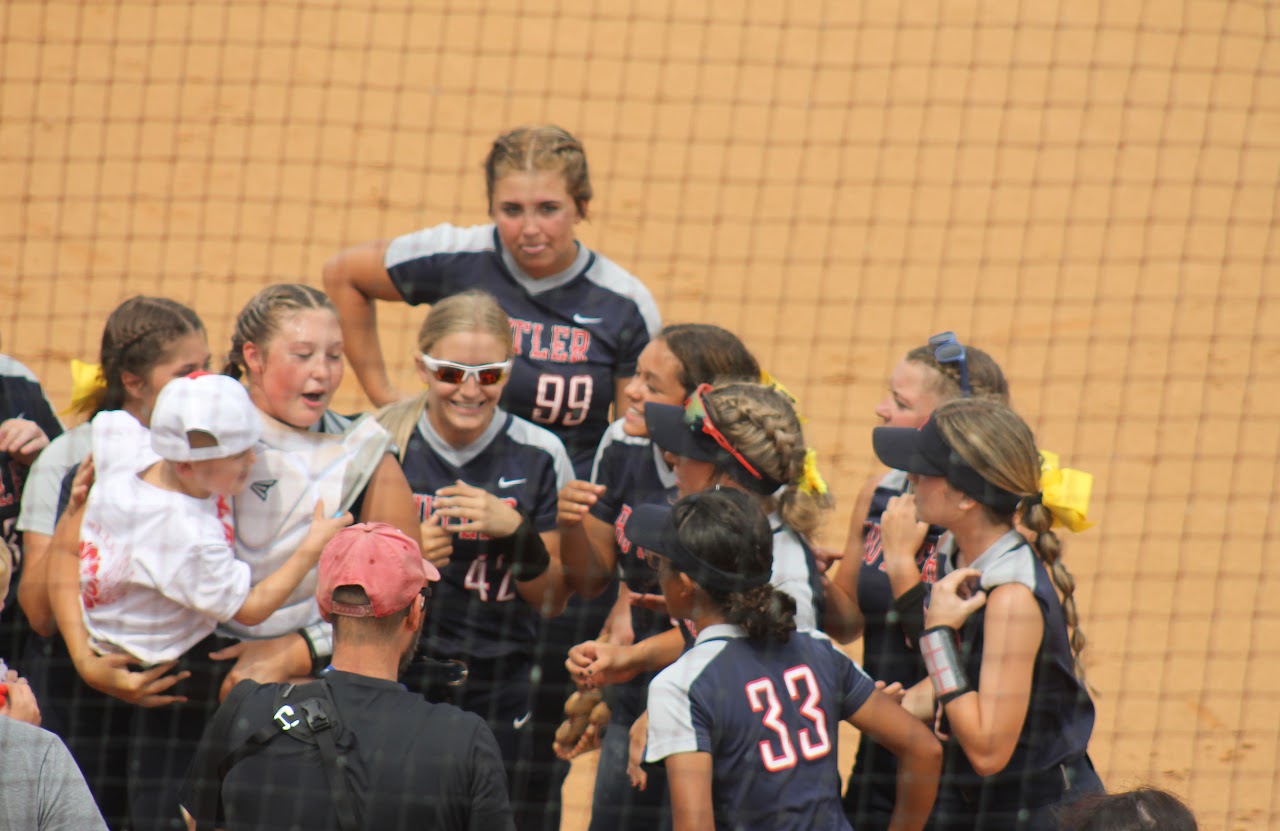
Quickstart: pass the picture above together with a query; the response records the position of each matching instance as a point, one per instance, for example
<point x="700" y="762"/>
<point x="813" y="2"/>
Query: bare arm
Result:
<point x="919" y="758"/>
<point x="354" y="279"/>
<point x="388" y="499"/>
<point x="689" y="784"/>
<point x="843" y="619"/>
<point x="549" y="592"/>
<point x="588" y="546"/>
<point x="33" y="589"/>
<point x="265" y="598"/>
<point x="596" y="664"/>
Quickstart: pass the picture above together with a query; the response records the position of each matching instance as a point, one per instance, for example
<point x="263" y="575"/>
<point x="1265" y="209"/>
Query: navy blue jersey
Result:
<point x="575" y="332"/>
<point x="475" y="611"/>
<point x="20" y="397"/>
<point x="633" y="473"/>
<point x="769" y="715"/>
<point x="1060" y="713"/>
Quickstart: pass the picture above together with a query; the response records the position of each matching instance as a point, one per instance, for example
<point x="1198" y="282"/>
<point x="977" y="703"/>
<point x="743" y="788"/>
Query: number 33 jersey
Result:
<point x="574" y="332"/>
<point x="769" y="715"/>
<point x="475" y="610"/>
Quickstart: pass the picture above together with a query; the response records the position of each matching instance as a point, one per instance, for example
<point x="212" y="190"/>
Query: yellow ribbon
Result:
<point x="87" y="386"/>
<point x="811" y="480"/>
<point x="1066" y="492"/>
<point x="769" y="381"/>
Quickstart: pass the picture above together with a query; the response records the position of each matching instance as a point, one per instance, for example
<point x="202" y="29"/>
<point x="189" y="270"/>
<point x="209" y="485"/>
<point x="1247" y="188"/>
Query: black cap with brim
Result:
<point x="926" y="452"/>
<point x="653" y="528"/>
<point x="669" y="430"/>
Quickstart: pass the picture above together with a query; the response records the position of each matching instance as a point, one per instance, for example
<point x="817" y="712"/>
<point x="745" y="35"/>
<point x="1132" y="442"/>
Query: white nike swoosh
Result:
<point x="585" y="320"/>
<point x="522" y="721"/>
<point x="507" y="483"/>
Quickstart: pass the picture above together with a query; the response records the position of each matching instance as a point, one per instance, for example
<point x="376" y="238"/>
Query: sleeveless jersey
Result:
<point x="769" y="715"/>
<point x="475" y="610"/>
<point x="574" y="332"/>
<point x="1060" y="714"/>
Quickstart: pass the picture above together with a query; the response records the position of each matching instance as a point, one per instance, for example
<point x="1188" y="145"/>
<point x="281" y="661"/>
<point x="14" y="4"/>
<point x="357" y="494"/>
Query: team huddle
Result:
<point x="586" y="532"/>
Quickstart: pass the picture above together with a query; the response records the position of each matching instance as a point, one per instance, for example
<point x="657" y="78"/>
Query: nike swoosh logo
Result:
<point x="522" y="721"/>
<point x="260" y="488"/>
<point x="586" y="320"/>
<point x="507" y="483"/>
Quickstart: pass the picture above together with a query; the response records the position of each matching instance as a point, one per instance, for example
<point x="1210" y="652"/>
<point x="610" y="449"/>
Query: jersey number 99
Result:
<point x="814" y="743"/>
<point x="552" y="400"/>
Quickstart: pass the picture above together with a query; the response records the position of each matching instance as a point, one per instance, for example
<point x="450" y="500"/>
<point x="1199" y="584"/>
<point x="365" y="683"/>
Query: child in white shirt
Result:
<point x="157" y="554"/>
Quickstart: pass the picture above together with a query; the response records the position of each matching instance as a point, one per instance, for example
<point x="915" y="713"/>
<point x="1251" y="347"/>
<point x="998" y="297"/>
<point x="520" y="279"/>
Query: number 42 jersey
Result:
<point x="769" y="715"/>
<point x="575" y="332"/>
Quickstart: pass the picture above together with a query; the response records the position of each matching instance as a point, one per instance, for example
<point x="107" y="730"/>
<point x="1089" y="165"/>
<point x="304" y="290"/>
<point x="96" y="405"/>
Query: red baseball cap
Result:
<point x="378" y="558"/>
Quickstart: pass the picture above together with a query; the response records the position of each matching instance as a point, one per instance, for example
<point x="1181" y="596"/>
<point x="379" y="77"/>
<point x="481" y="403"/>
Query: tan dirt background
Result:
<point x="1086" y="189"/>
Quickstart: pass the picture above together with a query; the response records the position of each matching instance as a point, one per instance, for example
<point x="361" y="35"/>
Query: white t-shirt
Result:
<point x="157" y="568"/>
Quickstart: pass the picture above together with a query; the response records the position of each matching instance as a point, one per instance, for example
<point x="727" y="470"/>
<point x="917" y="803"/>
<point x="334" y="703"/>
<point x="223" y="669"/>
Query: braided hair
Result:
<point x="986" y="379"/>
<point x="727" y="529"/>
<point x="997" y="443"/>
<point x="259" y="320"/>
<point x="761" y="424"/>
<point x="137" y="336"/>
<point x="541" y="148"/>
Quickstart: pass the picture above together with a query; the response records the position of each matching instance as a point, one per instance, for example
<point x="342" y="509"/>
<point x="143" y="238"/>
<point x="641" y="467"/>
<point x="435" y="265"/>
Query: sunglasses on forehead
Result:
<point x="447" y="372"/>
<point x="695" y="414"/>
<point x="947" y="349"/>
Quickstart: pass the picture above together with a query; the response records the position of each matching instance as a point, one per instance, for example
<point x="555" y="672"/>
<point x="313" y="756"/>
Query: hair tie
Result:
<point x="1065" y="492"/>
<point x="811" y="480"/>
<point x="87" y="386"/>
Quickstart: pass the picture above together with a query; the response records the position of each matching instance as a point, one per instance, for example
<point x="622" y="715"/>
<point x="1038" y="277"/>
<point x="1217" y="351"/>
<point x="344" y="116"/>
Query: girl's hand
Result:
<point x="954" y="598"/>
<point x="895" y="690"/>
<point x="576" y="498"/>
<point x="22" y="439"/>
<point x="324" y="528"/>
<point x="635" y="755"/>
<point x="80" y="486"/>
<point x="437" y="543"/>
<point x="902" y="533"/>
<point x="595" y="664"/>
<point x="110" y="674"/>
<point x="652" y="602"/>
<point x="19" y="703"/>
<point x="484" y="513"/>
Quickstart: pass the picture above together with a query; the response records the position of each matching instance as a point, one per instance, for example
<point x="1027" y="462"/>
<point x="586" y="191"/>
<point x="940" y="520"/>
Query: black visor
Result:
<point x="926" y="452"/>
<point x="653" y="528"/>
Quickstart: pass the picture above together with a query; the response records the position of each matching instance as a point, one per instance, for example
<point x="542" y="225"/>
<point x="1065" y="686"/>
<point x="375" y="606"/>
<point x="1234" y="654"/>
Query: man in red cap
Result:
<point x="373" y="754"/>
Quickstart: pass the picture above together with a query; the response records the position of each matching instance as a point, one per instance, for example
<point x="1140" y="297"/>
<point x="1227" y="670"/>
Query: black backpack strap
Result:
<point x="208" y="783"/>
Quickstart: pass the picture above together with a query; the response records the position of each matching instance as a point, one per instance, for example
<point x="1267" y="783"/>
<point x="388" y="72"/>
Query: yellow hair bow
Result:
<point x="1066" y="492"/>
<point x="87" y="386"/>
<point x="769" y="381"/>
<point x="811" y="480"/>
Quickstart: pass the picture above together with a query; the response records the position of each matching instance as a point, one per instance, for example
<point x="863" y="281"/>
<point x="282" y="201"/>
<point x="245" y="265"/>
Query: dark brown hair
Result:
<point x="136" y="337"/>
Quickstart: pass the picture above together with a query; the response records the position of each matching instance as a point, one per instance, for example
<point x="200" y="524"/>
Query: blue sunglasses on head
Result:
<point x="947" y="349"/>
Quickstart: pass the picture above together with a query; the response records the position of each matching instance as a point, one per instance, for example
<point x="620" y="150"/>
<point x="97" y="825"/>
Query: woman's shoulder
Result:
<point x="527" y="433"/>
<point x="444" y="238"/>
<point x="607" y="275"/>
<point x="66" y="450"/>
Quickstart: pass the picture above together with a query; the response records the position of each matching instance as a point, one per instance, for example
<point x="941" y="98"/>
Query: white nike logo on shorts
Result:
<point x="577" y="318"/>
<point x="522" y="721"/>
<point x="507" y="483"/>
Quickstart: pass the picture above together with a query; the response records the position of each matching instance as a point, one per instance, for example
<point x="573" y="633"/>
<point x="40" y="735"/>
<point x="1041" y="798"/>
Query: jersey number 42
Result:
<point x="814" y="742"/>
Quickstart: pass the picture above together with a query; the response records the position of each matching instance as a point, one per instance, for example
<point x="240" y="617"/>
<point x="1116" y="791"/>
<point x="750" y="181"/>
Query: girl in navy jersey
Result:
<point x="485" y="482"/>
<point x="1011" y="707"/>
<point x="630" y="471"/>
<point x="877" y="591"/>
<point x="579" y="321"/>
<point x="747" y="720"/>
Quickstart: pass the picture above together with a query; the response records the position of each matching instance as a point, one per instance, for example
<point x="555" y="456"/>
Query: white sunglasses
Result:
<point x="447" y="372"/>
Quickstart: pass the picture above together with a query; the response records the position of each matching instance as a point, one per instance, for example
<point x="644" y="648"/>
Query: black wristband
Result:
<point x="941" y="653"/>
<point x="321" y="653"/>
<point x="910" y="609"/>
<point x="526" y="552"/>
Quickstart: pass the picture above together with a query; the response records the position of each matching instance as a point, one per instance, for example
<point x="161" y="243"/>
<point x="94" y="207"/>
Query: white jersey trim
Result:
<point x="439" y="239"/>
<point x="671" y="728"/>
<point x="791" y="572"/>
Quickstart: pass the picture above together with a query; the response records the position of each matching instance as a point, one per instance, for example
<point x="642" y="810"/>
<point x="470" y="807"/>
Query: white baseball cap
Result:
<point x="215" y="404"/>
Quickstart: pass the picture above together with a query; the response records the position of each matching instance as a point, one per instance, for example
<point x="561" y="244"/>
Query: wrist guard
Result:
<point x="942" y="659"/>
<point x="526" y="552"/>
<point x="910" y="609"/>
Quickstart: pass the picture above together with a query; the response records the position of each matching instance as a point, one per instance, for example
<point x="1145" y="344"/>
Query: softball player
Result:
<point x="485" y="483"/>
<point x="1011" y="707"/>
<point x="629" y="471"/>
<point x="579" y="321"/>
<point x="747" y="720"/>
<point x="877" y="592"/>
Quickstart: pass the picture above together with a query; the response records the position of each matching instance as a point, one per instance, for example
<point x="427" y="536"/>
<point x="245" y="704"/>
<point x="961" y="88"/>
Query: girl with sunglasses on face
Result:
<point x="877" y="591"/>
<point x="486" y="485"/>
<point x="630" y="471"/>
<point x="1010" y="703"/>
<point x="747" y="719"/>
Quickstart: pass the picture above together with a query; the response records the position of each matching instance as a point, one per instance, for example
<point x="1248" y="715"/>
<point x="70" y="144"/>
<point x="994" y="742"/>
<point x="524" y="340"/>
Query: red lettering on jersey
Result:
<point x="620" y="528"/>
<point x="872" y="543"/>
<point x="579" y="343"/>
<point x="929" y="572"/>
<point x="422" y="501"/>
<point x="537" y="351"/>
<point x="558" y="336"/>
<point x="519" y="328"/>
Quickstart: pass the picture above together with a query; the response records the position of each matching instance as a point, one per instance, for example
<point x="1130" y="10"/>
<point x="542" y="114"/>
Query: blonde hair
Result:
<point x="761" y="424"/>
<point x="541" y="148"/>
<point x="997" y="443"/>
<point x="259" y="320"/>
<point x="986" y="379"/>
<point x="470" y="311"/>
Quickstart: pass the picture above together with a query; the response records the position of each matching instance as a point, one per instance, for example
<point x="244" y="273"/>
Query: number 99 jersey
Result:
<point x="769" y="715"/>
<point x="574" y="332"/>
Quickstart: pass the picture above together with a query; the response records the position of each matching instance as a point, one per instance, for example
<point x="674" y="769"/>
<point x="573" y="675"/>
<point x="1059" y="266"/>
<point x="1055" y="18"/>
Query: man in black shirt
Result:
<point x="401" y="762"/>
